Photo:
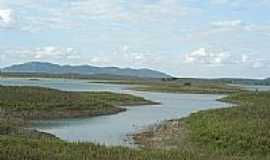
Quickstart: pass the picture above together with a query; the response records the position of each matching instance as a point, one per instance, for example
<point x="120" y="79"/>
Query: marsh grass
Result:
<point x="44" y="103"/>
<point x="175" y="87"/>
<point x="240" y="132"/>
<point x="195" y="89"/>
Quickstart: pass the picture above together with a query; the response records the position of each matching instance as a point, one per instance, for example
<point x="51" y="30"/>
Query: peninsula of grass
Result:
<point x="173" y="87"/>
<point x="43" y="103"/>
<point x="236" y="133"/>
<point x="193" y="89"/>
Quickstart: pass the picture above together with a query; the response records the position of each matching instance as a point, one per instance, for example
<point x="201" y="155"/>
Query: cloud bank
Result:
<point x="7" y="18"/>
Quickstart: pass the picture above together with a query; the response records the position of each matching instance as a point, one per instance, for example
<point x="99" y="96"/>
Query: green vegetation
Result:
<point x="70" y="76"/>
<point x="238" y="133"/>
<point x="197" y="89"/>
<point x="14" y="148"/>
<point x="187" y="87"/>
<point x="43" y="103"/>
<point x="241" y="132"/>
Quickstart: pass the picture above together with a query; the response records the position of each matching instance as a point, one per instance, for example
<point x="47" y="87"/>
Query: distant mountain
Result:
<point x="49" y="68"/>
<point x="267" y="80"/>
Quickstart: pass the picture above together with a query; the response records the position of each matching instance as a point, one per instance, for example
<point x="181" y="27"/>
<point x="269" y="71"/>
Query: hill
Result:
<point x="49" y="68"/>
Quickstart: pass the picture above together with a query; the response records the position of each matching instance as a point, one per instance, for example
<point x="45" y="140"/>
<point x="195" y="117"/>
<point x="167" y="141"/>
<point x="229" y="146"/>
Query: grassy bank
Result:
<point x="172" y="87"/>
<point x="241" y="132"/>
<point x="195" y="89"/>
<point x="43" y="103"/>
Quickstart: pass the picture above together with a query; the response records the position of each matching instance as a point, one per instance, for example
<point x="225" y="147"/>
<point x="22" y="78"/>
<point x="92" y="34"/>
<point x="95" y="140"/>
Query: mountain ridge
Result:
<point x="51" y="68"/>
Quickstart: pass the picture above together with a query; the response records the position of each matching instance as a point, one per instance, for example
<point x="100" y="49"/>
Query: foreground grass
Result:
<point x="241" y="132"/>
<point x="17" y="143"/>
<point x="14" y="148"/>
<point x="43" y="103"/>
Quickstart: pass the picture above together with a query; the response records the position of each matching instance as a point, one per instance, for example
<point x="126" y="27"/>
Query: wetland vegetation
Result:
<point x="177" y="87"/>
<point x="236" y="133"/>
<point x="44" y="103"/>
<point x="240" y="132"/>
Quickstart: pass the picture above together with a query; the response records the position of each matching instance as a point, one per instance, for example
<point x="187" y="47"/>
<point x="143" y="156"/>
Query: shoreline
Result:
<point x="80" y="113"/>
<point x="226" y="133"/>
<point x="153" y="135"/>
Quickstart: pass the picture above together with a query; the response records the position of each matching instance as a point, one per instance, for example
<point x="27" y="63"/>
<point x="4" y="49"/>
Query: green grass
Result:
<point x="197" y="89"/>
<point x="243" y="130"/>
<point x="174" y="87"/>
<point x="240" y="132"/>
<point x="14" y="148"/>
<point x="43" y="103"/>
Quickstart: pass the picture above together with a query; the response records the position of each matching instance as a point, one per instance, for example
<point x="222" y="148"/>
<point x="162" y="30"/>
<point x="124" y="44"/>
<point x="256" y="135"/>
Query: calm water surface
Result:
<point x="113" y="129"/>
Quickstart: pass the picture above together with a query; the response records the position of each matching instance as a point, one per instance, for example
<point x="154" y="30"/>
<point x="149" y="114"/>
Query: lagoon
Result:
<point x="114" y="129"/>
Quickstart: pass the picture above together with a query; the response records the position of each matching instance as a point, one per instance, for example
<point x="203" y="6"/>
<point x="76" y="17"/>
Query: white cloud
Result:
<point x="262" y="29"/>
<point x="131" y="55"/>
<point x="2" y="57"/>
<point x="7" y="18"/>
<point x="239" y="25"/>
<point x="219" y="2"/>
<point x="254" y="61"/>
<point x="216" y="58"/>
<point x="232" y="3"/>
<point x="126" y="11"/>
<point x="99" y="60"/>
<point x="42" y="53"/>
<point x="53" y="52"/>
<point x="258" y="64"/>
<point x="231" y="23"/>
<point x="204" y="56"/>
<point x="241" y="3"/>
<point x="244" y="58"/>
<point x="226" y="29"/>
<point x="126" y="56"/>
<point x="67" y="14"/>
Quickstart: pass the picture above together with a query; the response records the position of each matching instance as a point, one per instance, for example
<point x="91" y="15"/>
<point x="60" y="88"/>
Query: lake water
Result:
<point x="113" y="129"/>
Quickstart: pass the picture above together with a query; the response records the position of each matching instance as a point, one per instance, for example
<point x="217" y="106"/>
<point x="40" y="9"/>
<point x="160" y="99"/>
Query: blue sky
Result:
<point x="185" y="38"/>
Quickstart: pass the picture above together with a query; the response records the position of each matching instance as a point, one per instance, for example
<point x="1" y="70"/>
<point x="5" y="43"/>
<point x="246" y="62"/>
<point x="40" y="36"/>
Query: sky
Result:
<point x="184" y="38"/>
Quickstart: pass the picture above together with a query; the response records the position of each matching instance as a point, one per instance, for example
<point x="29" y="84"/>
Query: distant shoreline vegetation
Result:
<point x="122" y="79"/>
<point x="174" y="87"/>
